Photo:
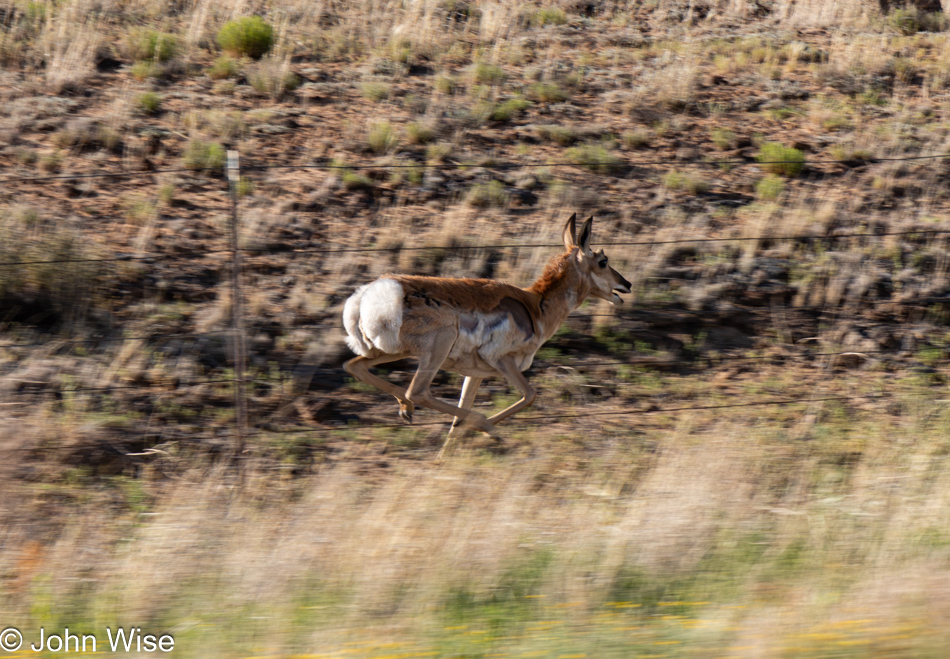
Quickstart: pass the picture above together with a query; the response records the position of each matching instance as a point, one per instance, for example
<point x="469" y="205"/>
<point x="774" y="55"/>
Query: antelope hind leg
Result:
<point x="359" y="367"/>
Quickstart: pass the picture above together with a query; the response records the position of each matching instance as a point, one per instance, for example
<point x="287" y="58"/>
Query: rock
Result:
<point x="527" y="182"/>
<point x="271" y="129"/>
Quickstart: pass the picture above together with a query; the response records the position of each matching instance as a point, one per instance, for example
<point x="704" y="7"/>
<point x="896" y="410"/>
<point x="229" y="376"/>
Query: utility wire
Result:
<point x="396" y="249"/>
<point x="790" y="401"/>
<point x="62" y="343"/>
<point x="62" y="391"/>
<point x="494" y="165"/>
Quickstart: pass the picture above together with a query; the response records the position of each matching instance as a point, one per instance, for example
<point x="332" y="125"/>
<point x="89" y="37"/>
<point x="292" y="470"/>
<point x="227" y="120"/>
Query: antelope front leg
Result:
<point x="467" y="399"/>
<point x="517" y="379"/>
<point x="430" y="361"/>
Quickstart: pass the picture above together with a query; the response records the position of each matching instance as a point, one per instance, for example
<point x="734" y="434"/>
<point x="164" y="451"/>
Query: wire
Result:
<point x="67" y="342"/>
<point x="678" y="241"/>
<point x="611" y="413"/>
<point x="122" y="174"/>
<point x="132" y="386"/>
<point x="643" y="311"/>
<point x="494" y="165"/>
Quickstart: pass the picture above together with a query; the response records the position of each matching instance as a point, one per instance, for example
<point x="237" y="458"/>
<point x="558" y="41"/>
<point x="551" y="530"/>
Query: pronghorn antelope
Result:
<point x="476" y="327"/>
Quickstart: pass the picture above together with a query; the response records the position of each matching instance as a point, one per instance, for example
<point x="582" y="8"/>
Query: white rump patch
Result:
<point x="373" y="317"/>
<point x="351" y="322"/>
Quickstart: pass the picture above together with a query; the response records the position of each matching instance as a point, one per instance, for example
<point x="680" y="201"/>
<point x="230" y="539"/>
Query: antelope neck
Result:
<point x="561" y="290"/>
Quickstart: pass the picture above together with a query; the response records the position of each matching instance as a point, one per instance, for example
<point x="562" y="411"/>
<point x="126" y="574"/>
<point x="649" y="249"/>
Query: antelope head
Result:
<point x="603" y="280"/>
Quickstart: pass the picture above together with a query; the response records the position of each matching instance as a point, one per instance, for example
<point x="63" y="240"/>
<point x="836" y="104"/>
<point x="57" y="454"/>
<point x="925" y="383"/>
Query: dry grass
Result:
<point x="699" y="535"/>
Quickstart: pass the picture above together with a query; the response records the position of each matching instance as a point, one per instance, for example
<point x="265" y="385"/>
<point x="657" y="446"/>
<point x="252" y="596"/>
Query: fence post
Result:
<point x="238" y="346"/>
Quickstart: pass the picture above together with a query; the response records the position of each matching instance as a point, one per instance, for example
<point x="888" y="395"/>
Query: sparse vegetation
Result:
<point x="149" y="103"/>
<point x="488" y="74"/>
<point x="686" y="181"/>
<point x="547" y="92"/>
<point x="548" y="16"/>
<point x="769" y="188"/>
<point x="508" y="110"/>
<point x="446" y="85"/>
<point x="273" y="78"/>
<point x="381" y="137"/>
<point x="224" y="67"/>
<point x="636" y="139"/>
<point x="419" y="133"/>
<point x="487" y="195"/>
<point x="724" y="139"/>
<point x="200" y="155"/>
<point x="596" y="158"/>
<point x="145" y="70"/>
<point x="145" y="45"/>
<point x="562" y="135"/>
<point x="376" y="91"/>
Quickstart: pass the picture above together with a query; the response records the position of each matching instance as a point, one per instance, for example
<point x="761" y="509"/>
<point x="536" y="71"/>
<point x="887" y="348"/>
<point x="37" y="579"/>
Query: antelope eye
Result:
<point x="603" y="263"/>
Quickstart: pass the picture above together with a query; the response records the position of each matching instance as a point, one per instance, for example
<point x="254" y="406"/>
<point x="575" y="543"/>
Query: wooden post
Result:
<point x="238" y="346"/>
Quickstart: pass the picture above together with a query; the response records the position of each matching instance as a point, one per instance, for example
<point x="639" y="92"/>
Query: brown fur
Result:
<point x="473" y="295"/>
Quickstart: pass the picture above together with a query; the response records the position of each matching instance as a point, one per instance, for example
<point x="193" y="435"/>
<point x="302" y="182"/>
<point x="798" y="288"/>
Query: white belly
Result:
<point x="483" y="339"/>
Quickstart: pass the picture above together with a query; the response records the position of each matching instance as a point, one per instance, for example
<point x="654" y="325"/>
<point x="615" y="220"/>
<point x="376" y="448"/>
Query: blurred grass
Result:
<point x="714" y="533"/>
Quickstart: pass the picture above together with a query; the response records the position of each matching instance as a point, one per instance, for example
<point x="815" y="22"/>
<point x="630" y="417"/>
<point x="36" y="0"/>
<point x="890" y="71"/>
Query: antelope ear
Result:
<point x="584" y="241"/>
<point x="570" y="233"/>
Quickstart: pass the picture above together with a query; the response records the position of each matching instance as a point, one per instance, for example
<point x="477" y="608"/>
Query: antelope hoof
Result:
<point x="490" y="430"/>
<point x="405" y="414"/>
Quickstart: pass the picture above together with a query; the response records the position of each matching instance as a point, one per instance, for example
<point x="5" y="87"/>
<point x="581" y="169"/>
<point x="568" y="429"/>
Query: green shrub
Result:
<point x="249" y="36"/>
<point x="507" y="110"/>
<point x="723" y="138"/>
<point x="244" y="187"/>
<point x="635" y="139"/>
<point x="780" y="159"/>
<point x="547" y="92"/>
<point x="51" y="162"/>
<point x="548" y="16"/>
<point x="691" y="183"/>
<point x="204" y="155"/>
<point x="910" y="20"/>
<point x="375" y="91"/>
<point x="62" y="292"/>
<point x="488" y="74"/>
<point x="224" y="67"/>
<point x="224" y="88"/>
<point x="419" y="134"/>
<point x="562" y="135"/>
<point x="596" y="158"/>
<point x="445" y="85"/>
<point x="485" y="195"/>
<point x="146" y="45"/>
<point x="770" y="187"/>
<point x="273" y="78"/>
<point x="356" y="181"/>
<point x="148" y="103"/>
<point x="381" y="138"/>
<point x="88" y="135"/>
<point x="406" y="170"/>
<point x="145" y="70"/>
<point x="438" y="153"/>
